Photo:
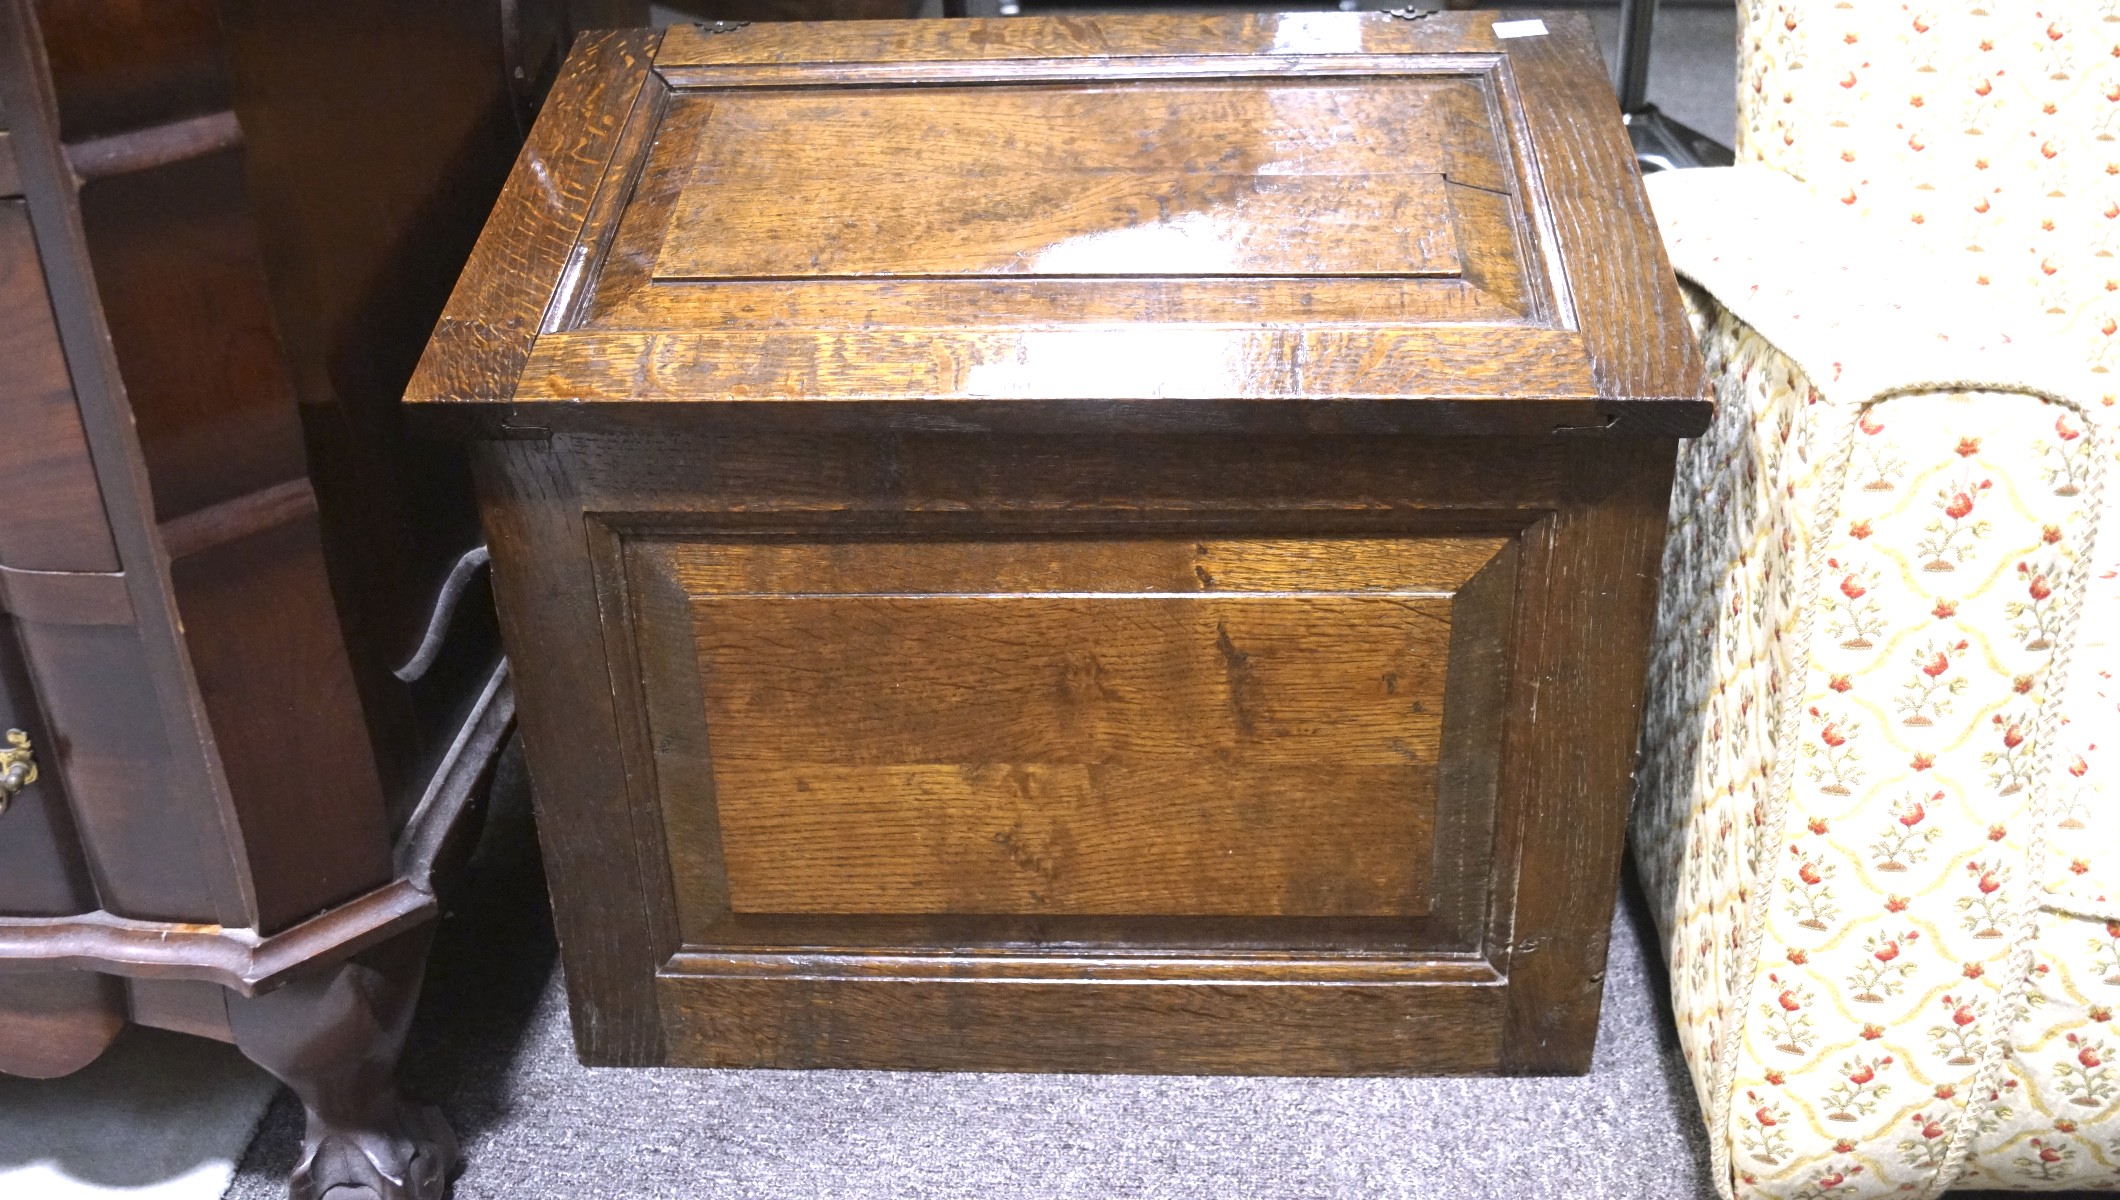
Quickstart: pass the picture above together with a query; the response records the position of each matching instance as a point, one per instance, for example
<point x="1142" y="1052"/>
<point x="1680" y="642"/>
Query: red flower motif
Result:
<point x="2021" y="684"/>
<point x="1840" y="683"/>
<point x="1988" y="884"/>
<point x="2077" y="766"/>
<point x="1871" y="1033"/>
<point x="1968" y="447"/>
<point x="1972" y="970"/>
<point x="1862" y="1074"/>
<point x="1764" y="1117"/>
<point x="1962" y="1015"/>
<point x="1944" y="610"/>
<point x="1788" y="1001"/>
<point x="2013" y="736"/>
<point x="2088" y="1056"/>
<point x="1938" y="663"/>
<point x="1869" y="424"/>
<point x="2064" y="1125"/>
<point x="2061" y="427"/>
<point x="1912" y="816"/>
<point x="1996" y="833"/>
<point x="2077" y="866"/>
<point x="1776" y="1078"/>
<point x="1945" y="1091"/>
<point x="1809" y="874"/>
<point x="2050" y="534"/>
<point x="1899" y="904"/>
<point x="1832" y="736"/>
<point x="1890" y="952"/>
<point x="2039" y="588"/>
<point x="1817" y="825"/>
<point x="1922" y="762"/>
<point x="1859" y="530"/>
<point x="2101" y="1013"/>
<point x="1798" y="958"/>
<point x="1960" y="505"/>
<point x="1852" y="589"/>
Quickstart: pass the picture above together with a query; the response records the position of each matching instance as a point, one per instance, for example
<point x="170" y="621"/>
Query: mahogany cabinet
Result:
<point x="1092" y="543"/>
<point x="250" y="685"/>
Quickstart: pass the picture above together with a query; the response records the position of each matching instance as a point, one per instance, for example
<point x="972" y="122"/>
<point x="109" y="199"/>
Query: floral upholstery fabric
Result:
<point x="1876" y="815"/>
<point x="1985" y="134"/>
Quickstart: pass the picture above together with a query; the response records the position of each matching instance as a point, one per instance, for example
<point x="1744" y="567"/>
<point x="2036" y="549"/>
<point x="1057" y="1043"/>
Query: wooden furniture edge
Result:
<point x="51" y="191"/>
<point x="516" y="265"/>
<point x="247" y="964"/>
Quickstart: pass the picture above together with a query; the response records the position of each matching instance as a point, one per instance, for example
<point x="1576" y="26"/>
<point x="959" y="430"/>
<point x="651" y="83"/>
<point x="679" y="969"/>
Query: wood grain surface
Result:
<point x="48" y="490"/>
<point x="980" y="211"/>
<point x="1165" y="179"/>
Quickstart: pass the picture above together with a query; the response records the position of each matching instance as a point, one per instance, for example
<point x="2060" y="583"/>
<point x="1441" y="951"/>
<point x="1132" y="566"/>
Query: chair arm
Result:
<point x="1873" y="568"/>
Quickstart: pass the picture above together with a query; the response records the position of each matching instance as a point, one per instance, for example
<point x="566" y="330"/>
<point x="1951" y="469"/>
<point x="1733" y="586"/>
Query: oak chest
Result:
<point x="1078" y="543"/>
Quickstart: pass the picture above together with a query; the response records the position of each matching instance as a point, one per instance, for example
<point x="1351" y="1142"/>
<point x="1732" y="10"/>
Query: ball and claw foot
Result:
<point x="334" y="1036"/>
<point x="415" y="1163"/>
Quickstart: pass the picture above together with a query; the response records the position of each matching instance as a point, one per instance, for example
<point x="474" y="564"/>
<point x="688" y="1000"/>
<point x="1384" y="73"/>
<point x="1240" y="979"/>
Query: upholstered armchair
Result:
<point x="1876" y="816"/>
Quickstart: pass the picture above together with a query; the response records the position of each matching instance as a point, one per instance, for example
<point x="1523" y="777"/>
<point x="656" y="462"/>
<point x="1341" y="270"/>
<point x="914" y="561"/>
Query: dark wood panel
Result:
<point x="10" y="175"/>
<point x="54" y="513"/>
<point x="177" y="272"/>
<point x="809" y="1016"/>
<point x="273" y="677"/>
<point x="57" y="1023"/>
<point x="42" y="870"/>
<point x="128" y="64"/>
<point x="149" y="859"/>
<point x="66" y="597"/>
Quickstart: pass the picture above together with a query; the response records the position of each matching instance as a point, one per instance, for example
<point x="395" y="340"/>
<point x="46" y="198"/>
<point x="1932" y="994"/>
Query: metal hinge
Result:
<point x="713" y="27"/>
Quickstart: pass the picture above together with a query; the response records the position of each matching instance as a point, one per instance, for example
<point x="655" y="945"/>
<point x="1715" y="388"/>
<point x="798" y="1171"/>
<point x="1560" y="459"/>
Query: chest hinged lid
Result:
<point x="1223" y="222"/>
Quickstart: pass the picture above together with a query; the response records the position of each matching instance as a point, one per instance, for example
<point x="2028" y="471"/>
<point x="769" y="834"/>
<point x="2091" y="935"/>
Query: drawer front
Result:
<point x="1109" y="738"/>
<point x="42" y="870"/>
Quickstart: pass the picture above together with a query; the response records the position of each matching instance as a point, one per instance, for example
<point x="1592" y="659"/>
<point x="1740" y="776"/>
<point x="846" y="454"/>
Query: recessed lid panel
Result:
<point x="1160" y="178"/>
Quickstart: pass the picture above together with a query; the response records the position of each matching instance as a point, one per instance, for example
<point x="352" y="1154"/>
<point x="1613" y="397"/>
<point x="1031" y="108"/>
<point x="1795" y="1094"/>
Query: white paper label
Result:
<point x="1514" y="29"/>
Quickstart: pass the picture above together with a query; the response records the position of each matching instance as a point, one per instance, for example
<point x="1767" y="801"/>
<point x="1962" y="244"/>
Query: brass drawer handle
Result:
<point x="17" y="769"/>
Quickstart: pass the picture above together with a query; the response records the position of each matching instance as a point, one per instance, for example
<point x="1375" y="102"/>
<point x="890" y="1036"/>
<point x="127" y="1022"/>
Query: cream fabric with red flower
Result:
<point x="1869" y="814"/>
<point x="1986" y="134"/>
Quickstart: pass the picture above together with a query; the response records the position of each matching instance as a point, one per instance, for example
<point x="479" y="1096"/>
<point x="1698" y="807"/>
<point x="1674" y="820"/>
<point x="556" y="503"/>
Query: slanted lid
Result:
<point x="1236" y="221"/>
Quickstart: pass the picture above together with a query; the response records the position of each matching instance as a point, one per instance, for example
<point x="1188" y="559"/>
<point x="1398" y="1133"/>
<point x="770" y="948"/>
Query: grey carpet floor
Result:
<point x="491" y="1046"/>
